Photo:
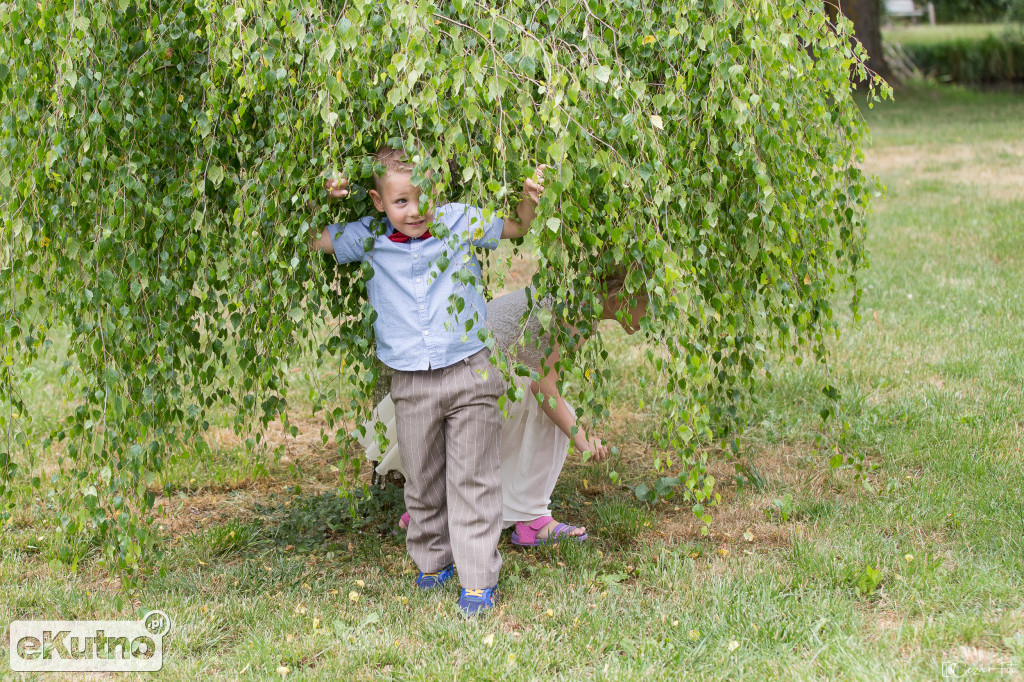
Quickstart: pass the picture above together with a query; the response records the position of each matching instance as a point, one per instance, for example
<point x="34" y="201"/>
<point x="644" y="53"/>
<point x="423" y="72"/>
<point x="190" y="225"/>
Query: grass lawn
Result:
<point x="807" y="573"/>
<point x="923" y="34"/>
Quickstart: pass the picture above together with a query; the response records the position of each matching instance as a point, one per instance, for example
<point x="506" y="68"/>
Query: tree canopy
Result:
<point x="163" y="168"/>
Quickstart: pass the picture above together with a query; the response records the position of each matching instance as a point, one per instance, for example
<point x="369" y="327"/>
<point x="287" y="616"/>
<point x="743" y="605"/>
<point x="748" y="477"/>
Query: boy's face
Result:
<point x="400" y="200"/>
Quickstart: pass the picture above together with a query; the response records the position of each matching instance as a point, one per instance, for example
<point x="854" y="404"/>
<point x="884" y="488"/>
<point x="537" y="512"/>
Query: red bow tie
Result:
<point x="400" y="238"/>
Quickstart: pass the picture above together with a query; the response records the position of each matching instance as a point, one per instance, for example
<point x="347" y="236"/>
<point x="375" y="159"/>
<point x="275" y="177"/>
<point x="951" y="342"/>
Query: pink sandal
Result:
<point x="526" y="535"/>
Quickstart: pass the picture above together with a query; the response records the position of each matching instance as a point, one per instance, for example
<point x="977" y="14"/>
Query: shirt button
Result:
<point x="415" y="255"/>
<point x="418" y="280"/>
<point x="421" y="307"/>
<point x="426" y="333"/>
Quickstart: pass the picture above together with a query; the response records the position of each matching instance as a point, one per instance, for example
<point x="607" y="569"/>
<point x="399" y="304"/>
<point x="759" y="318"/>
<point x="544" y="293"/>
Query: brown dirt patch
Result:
<point x="996" y="169"/>
<point x="886" y="620"/>
<point x="181" y="515"/>
<point x="316" y="463"/>
<point x="307" y="447"/>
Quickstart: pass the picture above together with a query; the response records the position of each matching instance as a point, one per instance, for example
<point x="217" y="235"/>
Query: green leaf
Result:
<point x="216" y="174"/>
<point x="370" y="619"/>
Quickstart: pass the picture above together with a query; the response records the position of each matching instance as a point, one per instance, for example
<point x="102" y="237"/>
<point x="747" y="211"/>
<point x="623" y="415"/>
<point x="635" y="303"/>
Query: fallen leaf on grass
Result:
<point x="369" y="620"/>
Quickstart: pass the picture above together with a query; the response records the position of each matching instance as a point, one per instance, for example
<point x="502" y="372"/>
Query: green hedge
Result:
<point x="995" y="59"/>
<point x="955" y="11"/>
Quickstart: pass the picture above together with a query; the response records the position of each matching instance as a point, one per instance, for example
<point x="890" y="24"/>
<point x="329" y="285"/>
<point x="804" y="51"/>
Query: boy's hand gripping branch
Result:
<point x="533" y="187"/>
<point x="336" y="189"/>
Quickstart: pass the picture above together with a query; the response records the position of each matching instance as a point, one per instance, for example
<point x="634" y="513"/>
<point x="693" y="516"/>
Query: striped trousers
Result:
<point x="449" y="430"/>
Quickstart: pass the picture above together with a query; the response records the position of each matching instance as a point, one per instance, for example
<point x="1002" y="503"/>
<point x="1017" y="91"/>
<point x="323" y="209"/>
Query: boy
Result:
<point x="444" y="389"/>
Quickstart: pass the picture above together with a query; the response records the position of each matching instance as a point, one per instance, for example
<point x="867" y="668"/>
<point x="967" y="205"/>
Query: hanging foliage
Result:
<point x="163" y="165"/>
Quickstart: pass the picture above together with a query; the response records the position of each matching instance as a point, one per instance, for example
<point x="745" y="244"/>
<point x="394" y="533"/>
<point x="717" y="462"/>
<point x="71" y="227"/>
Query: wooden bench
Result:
<point x="906" y="9"/>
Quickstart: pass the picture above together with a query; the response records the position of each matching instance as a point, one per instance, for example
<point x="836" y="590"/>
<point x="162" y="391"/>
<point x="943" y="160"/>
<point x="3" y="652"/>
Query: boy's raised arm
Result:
<point x="527" y="210"/>
<point x="337" y="189"/>
<point x="322" y="243"/>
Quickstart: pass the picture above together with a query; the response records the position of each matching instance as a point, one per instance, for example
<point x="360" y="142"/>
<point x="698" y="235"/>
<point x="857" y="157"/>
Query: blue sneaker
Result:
<point x="428" y="581"/>
<point x="473" y="602"/>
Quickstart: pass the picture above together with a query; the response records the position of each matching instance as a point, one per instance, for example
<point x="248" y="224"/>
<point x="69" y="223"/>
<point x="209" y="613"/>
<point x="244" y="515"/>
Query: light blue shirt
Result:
<point x="421" y="323"/>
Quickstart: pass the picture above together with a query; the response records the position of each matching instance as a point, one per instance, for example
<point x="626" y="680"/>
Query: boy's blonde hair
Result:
<point x="394" y="161"/>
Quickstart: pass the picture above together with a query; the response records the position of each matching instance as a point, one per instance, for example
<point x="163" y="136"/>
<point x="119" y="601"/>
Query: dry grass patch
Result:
<point x="741" y="517"/>
<point x="971" y="661"/>
<point x="886" y="621"/>
<point x="306" y="448"/>
<point x="995" y="169"/>
<point x="317" y="466"/>
<point x="180" y="515"/>
<point x="517" y="271"/>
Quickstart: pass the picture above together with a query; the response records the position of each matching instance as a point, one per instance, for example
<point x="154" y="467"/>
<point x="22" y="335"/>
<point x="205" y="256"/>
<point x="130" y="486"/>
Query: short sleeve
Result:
<point x="350" y="240"/>
<point x="481" y="233"/>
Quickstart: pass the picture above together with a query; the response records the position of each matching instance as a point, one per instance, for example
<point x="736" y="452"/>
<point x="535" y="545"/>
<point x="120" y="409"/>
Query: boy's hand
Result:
<point x="337" y="189"/>
<point x="534" y="187"/>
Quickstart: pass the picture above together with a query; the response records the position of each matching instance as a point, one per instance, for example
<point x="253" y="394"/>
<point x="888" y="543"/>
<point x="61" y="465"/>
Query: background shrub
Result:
<point x="953" y="11"/>
<point x="992" y="60"/>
